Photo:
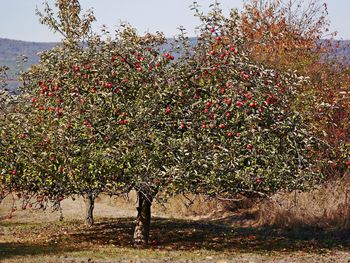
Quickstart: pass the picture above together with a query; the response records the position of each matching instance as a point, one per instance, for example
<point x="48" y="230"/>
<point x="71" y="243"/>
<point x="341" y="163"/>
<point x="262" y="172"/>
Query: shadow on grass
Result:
<point x="174" y="234"/>
<point x="11" y="250"/>
<point x="218" y="236"/>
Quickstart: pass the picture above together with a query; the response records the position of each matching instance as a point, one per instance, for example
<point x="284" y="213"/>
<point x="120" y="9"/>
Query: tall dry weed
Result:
<point x="323" y="207"/>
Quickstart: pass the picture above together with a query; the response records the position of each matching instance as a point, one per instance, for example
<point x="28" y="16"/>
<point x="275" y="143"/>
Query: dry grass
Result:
<point x="191" y="229"/>
<point x="171" y="239"/>
<point x="326" y="207"/>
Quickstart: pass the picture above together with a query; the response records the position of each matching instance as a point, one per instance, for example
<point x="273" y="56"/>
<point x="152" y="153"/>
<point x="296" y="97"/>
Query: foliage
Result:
<point x="284" y="34"/>
<point x="245" y="138"/>
<point x="7" y="103"/>
<point x="290" y="36"/>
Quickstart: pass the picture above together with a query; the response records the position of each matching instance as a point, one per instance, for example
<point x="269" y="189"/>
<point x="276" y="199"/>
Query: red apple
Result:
<point x="167" y="110"/>
<point x="252" y="104"/>
<point x="239" y="104"/>
<point x="108" y="85"/>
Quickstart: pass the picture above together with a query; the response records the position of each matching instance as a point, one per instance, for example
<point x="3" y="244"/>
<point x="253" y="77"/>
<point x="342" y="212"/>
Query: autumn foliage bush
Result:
<point x="291" y="35"/>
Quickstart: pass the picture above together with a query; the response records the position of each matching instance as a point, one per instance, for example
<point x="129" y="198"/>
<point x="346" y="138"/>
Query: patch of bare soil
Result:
<point x="70" y="209"/>
<point x="190" y="207"/>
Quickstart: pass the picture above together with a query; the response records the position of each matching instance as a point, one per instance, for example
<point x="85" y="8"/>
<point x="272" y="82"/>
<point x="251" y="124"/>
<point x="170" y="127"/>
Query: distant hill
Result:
<point x="10" y="50"/>
<point x="341" y="50"/>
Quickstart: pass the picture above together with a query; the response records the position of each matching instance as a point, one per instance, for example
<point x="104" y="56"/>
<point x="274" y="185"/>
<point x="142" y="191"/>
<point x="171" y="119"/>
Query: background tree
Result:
<point x="291" y="34"/>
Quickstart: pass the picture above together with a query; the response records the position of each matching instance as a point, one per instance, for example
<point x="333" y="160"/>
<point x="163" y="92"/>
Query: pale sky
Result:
<point x="18" y="19"/>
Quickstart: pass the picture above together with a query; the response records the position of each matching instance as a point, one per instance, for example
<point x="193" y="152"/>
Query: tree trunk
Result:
<point x="89" y="209"/>
<point x="143" y="220"/>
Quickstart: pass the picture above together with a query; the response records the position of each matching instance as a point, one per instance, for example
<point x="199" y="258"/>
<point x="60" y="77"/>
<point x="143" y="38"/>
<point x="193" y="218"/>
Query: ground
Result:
<point x="38" y="236"/>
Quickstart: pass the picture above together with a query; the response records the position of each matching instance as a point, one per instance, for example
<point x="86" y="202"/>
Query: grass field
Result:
<point x="37" y="236"/>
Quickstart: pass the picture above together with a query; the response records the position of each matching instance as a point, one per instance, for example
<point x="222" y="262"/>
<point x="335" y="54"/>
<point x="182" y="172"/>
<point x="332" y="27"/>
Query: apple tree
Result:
<point x="247" y="139"/>
<point x="215" y="122"/>
<point x="99" y="115"/>
<point x="114" y="114"/>
<point x="67" y="140"/>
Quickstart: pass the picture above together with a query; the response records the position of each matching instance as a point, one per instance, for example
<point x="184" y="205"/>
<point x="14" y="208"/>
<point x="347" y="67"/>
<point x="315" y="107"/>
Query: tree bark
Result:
<point x="143" y="220"/>
<point x="89" y="209"/>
